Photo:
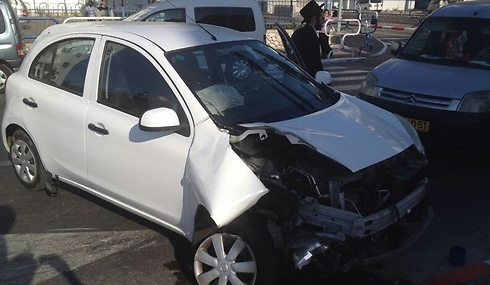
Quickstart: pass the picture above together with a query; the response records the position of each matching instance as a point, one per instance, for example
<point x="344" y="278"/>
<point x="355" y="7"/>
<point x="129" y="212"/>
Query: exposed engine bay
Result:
<point x="325" y="216"/>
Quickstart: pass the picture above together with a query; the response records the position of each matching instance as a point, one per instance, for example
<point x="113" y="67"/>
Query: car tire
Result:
<point x="27" y="162"/>
<point x="245" y="253"/>
<point x="5" y="72"/>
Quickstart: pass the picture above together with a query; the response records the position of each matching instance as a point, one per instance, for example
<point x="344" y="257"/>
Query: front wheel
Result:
<point x="26" y="162"/>
<point x="239" y="254"/>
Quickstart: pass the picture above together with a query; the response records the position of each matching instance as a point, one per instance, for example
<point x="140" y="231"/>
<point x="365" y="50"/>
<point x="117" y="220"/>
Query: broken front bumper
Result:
<point x="338" y="224"/>
<point x="355" y="225"/>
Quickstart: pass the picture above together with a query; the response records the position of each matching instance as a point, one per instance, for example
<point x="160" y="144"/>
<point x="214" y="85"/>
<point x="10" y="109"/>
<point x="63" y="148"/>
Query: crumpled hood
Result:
<point x="352" y="132"/>
<point x="431" y="79"/>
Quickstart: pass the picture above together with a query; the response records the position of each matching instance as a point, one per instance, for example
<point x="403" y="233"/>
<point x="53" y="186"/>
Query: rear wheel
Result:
<point x="5" y="72"/>
<point x="241" y="253"/>
<point x="26" y="162"/>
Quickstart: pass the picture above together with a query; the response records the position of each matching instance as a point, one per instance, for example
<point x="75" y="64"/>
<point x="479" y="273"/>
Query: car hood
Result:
<point x="431" y="79"/>
<point x="352" y="132"/>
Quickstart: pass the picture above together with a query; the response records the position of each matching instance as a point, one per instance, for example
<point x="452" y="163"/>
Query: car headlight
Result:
<point x="477" y="102"/>
<point x="368" y="86"/>
<point x="412" y="133"/>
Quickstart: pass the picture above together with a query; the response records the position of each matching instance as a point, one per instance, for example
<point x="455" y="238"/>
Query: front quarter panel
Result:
<point x="221" y="181"/>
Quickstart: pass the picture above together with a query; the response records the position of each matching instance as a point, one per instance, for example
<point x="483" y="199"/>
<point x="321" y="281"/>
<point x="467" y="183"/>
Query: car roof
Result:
<point x="470" y="9"/>
<point x="182" y="35"/>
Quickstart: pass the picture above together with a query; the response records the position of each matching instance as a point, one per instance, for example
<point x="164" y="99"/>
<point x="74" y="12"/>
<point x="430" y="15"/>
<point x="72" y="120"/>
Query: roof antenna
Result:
<point x="187" y="16"/>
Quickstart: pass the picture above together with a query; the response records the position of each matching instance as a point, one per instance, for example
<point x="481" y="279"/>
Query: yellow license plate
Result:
<point x="419" y="125"/>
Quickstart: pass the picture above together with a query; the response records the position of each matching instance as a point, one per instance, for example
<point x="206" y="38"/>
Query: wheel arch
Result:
<point x="203" y="224"/>
<point x="9" y="133"/>
<point x="4" y="62"/>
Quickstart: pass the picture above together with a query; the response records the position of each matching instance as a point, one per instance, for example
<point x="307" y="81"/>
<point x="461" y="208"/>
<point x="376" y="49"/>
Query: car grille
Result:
<point x="420" y="100"/>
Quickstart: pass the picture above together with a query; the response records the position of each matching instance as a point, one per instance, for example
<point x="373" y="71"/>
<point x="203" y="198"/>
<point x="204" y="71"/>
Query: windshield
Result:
<point x="453" y="41"/>
<point x="247" y="81"/>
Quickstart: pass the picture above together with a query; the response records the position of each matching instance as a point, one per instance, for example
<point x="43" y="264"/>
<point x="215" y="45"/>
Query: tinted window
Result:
<point x="63" y="64"/>
<point x="240" y="19"/>
<point x="174" y="15"/>
<point x="131" y="84"/>
<point x="2" y="23"/>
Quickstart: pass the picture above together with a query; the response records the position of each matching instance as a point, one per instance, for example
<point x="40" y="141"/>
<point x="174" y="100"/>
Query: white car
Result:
<point x="221" y="139"/>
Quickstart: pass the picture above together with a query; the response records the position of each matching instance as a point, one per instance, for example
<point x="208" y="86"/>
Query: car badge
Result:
<point x="411" y="99"/>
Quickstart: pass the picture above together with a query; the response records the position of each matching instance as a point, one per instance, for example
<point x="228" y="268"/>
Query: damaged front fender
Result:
<point x="220" y="179"/>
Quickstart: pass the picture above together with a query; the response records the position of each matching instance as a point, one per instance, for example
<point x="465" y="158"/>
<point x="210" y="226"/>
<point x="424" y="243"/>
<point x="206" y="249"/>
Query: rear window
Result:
<point x="2" y="23"/>
<point x="237" y="18"/>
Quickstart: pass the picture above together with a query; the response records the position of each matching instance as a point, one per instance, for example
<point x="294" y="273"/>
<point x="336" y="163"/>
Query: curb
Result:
<point x="397" y="28"/>
<point x="461" y="276"/>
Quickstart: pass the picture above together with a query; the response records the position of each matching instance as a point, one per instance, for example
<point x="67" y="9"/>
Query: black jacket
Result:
<point x="308" y="44"/>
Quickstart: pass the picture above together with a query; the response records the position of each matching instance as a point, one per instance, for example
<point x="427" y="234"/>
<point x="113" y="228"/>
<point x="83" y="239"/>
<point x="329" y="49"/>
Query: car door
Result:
<point x="142" y="171"/>
<point x="291" y="50"/>
<point x="55" y="103"/>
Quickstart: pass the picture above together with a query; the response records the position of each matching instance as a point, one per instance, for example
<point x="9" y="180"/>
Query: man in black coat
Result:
<point x="306" y="38"/>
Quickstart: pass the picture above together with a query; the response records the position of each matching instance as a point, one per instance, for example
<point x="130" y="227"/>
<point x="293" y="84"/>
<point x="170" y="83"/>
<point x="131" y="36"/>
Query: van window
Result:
<point x="2" y="24"/>
<point x="172" y="15"/>
<point x="237" y="18"/>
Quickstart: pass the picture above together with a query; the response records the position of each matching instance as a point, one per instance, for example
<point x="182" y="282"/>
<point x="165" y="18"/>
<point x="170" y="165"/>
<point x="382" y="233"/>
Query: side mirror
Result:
<point x="159" y="119"/>
<point x="396" y="47"/>
<point x="323" y="77"/>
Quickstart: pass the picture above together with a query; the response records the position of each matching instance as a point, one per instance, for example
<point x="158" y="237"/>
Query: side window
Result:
<point x="63" y="64"/>
<point x="2" y="24"/>
<point x="130" y="83"/>
<point x="237" y="18"/>
<point x="173" y="15"/>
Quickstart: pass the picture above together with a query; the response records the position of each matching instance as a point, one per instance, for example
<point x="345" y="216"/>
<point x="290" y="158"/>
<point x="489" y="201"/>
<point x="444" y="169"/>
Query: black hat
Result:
<point x="310" y="10"/>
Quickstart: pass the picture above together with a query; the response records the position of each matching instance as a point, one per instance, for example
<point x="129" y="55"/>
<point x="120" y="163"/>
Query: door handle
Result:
<point x="99" y="130"/>
<point x="30" y="102"/>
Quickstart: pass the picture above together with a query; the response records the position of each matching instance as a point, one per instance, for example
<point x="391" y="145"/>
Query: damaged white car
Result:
<point x="221" y="139"/>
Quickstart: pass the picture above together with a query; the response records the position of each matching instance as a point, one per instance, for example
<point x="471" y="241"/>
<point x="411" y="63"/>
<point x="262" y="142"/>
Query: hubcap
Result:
<point x="223" y="258"/>
<point x="3" y="79"/>
<point x="24" y="161"/>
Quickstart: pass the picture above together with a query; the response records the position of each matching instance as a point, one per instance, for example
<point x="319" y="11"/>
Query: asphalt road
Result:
<point x="76" y="238"/>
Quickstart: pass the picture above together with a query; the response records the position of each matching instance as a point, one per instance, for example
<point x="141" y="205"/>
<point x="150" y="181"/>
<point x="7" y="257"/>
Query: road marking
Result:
<point x="461" y="276"/>
<point x="346" y="88"/>
<point x="349" y="78"/>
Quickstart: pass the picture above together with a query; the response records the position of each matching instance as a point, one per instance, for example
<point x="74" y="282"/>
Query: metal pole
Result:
<point x="339" y="24"/>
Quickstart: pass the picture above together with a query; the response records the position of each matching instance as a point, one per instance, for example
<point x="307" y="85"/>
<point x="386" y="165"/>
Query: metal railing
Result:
<point x="333" y="32"/>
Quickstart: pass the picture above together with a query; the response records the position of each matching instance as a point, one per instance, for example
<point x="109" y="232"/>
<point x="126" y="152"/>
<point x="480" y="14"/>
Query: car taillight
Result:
<point x="20" y="50"/>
